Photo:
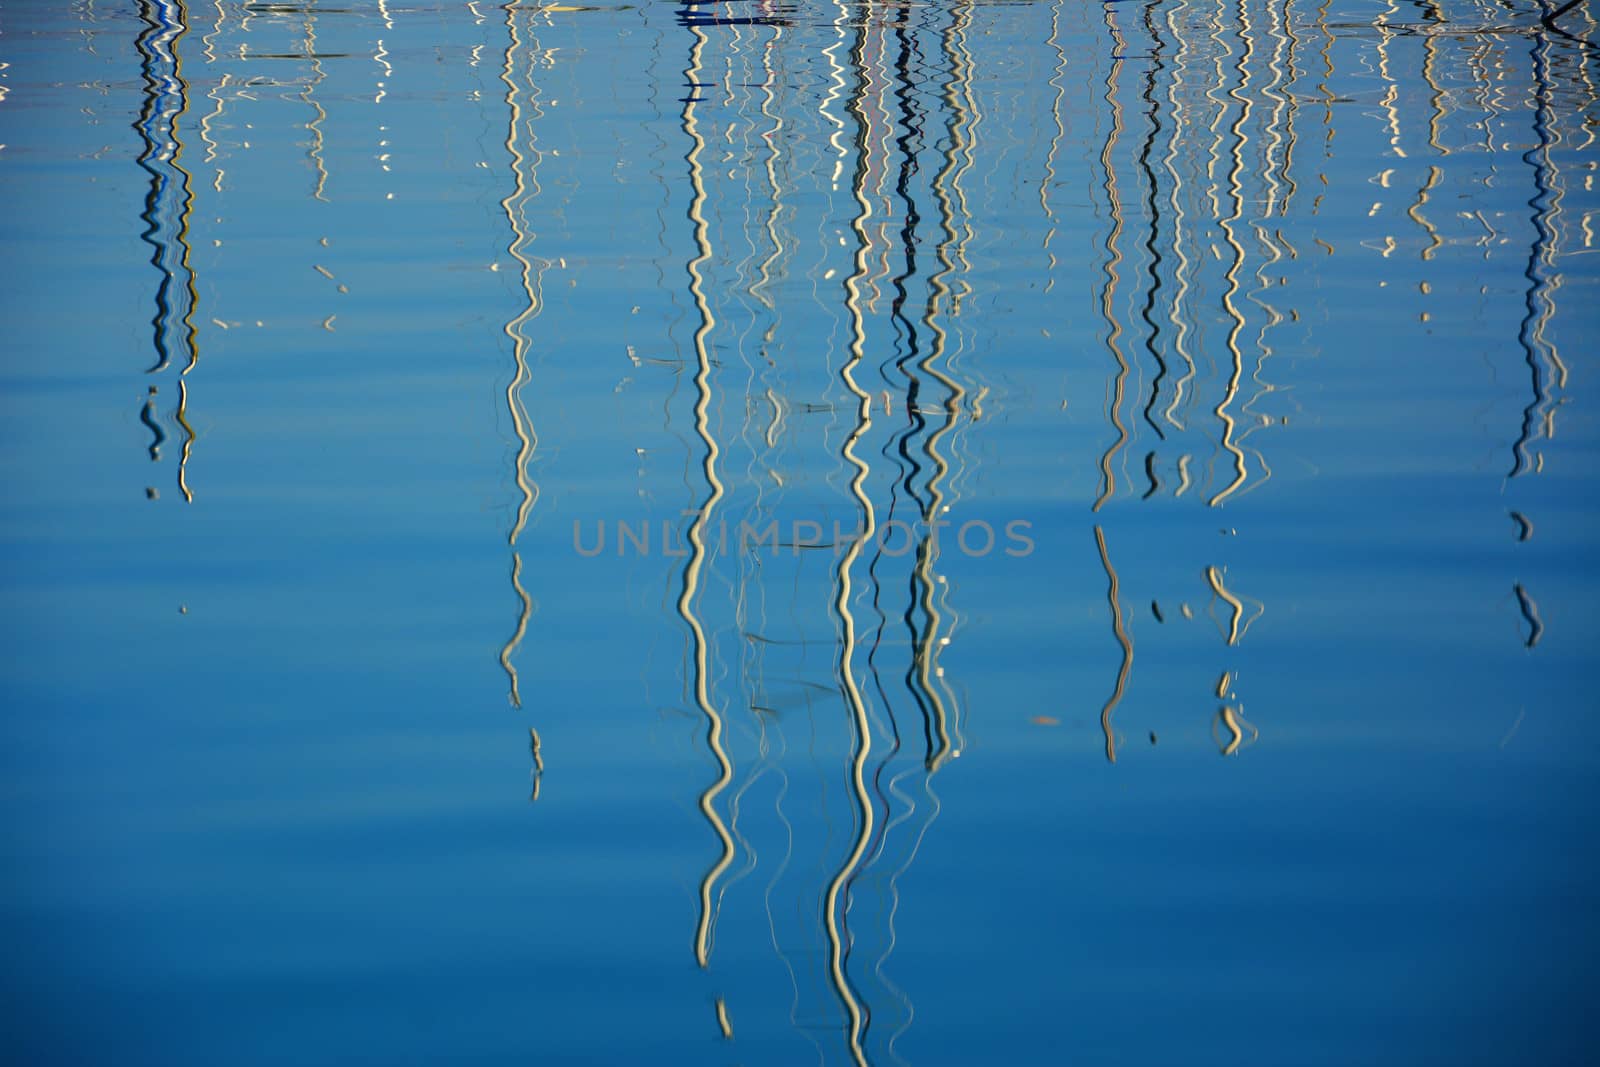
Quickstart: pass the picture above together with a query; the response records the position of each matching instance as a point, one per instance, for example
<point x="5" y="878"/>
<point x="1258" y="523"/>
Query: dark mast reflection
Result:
<point x="167" y="205"/>
<point x="1545" y="369"/>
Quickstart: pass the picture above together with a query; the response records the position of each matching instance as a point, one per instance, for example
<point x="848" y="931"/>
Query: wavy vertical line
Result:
<point x="843" y="580"/>
<point x="1545" y="369"/>
<point x="1385" y="36"/>
<point x="1291" y="50"/>
<point x="169" y="197"/>
<point x="933" y="364"/>
<point x="1272" y="132"/>
<point x="1048" y="181"/>
<point x="1153" y="211"/>
<point x="1108" y="480"/>
<point x="963" y="102"/>
<point x="314" y="151"/>
<point x="168" y="206"/>
<point x="1236" y="195"/>
<point x="1436" y="94"/>
<point x="514" y="205"/>
<point x="708" y="468"/>
<point x="1176" y="316"/>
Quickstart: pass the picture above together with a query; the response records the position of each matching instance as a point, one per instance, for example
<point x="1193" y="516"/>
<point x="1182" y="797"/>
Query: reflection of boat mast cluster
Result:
<point x="836" y="274"/>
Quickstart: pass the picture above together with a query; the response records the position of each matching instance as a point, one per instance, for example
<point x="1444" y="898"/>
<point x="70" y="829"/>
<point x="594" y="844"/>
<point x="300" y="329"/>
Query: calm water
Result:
<point x="1258" y="337"/>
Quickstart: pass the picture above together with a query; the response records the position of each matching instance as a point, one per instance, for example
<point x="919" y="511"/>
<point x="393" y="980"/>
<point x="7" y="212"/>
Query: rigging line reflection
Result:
<point x="1108" y="292"/>
<point x="698" y="551"/>
<point x="1113" y="597"/>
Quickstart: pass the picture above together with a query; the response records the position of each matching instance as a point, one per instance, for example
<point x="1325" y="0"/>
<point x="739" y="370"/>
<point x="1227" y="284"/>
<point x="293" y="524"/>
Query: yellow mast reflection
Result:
<point x="697" y="543"/>
<point x="844" y="579"/>
<point x="524" y="171"/>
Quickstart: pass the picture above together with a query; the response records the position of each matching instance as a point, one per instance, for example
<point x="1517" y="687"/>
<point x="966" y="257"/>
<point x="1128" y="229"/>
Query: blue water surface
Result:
<point x="773" y="533"/>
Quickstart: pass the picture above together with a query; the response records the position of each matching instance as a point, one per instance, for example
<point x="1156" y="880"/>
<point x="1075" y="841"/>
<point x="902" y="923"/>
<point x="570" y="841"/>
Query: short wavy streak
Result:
<point x="1229" y="719"/>
<point x="1114" y="598"/>
<point x="1239" y="621"/>
<point x="693" y="566"/>
<point x="1414" y="213"/>
<point x="1108" y="292"/>
<point x="182" y="417"/>
<point x="1530" y="615"/>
